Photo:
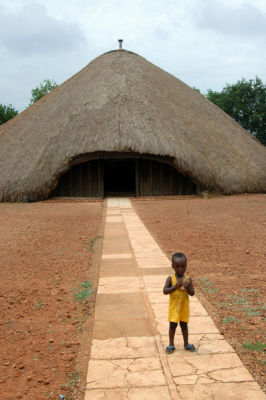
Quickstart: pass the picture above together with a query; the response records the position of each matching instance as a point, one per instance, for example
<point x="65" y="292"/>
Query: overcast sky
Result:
<point x="205" y="43"/>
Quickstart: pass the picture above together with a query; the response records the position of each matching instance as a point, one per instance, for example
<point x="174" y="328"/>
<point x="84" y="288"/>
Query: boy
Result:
<point x="179" y="287"/>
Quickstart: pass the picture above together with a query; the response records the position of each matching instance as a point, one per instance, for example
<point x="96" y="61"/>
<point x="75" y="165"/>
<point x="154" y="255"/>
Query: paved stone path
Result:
<point x="131" y="329"/>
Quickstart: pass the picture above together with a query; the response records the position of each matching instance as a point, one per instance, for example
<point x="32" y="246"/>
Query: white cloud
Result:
<point x="35" y="45"/>
<point x="244" y="20"/>
<point x="33" y="31"/>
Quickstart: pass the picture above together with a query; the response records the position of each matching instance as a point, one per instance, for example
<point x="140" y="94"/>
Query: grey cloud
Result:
<point x="245" y="20"/>
<point x="34" y="31"/>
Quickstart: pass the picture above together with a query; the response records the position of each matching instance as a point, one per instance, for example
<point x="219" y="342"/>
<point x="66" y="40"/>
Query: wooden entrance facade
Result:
<point x="123" y="175"/>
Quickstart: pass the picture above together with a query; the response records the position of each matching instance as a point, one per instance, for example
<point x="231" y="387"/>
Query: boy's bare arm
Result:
<point x="168" y="288"/>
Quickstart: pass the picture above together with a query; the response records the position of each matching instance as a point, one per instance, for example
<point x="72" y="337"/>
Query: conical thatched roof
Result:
<point x="120" y="102"/>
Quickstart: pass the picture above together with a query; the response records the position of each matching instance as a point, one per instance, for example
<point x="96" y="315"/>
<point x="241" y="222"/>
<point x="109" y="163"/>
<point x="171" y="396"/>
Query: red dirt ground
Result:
<point x="224" y="240"/>
<point x="47" y="249"/>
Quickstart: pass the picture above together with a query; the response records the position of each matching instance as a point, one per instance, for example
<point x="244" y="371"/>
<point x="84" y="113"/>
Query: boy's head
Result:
<point x="179" y="263"/>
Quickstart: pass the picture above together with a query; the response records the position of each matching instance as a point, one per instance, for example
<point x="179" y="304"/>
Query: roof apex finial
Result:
<point x="120" y="43"/>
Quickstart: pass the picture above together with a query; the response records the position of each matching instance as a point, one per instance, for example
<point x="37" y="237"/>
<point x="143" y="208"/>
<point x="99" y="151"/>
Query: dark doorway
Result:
<point x="120" y="177"/>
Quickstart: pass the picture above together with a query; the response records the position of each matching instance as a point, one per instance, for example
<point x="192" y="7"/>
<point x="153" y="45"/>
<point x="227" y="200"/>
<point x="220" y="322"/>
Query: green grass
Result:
<point x="223" y="304"/>
<point x="92" y="242"/>
<point x="227" y="320"/>
<point x="252" y="312"/>
<point x="73" y="379"/>
<point x="10" y="324"/>
<point x="250" y="290"/>
<point x="83" y="292"/>
<point x="210" y="290"/>
<point x="56" y="280"/>
<point x="258" y="346"/>
<point x="204" y="194"/>
<point x="237" y="300"/>
<point x="241" y="304"/>
<point x="207" y="288"/>
<point x="204" y="279"/>
<point x="208" y="283"/>
<point x="39" y="304"/>
<point x="80" y="320"/>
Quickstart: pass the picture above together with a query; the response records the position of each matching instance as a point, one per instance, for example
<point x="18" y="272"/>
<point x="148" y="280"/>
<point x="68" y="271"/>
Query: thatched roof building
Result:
<point x="122" y="119"/>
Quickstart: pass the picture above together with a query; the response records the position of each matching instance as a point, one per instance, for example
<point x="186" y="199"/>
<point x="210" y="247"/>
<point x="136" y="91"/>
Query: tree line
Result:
<point x="9" y="111"/>
<point x="244" y="101"/>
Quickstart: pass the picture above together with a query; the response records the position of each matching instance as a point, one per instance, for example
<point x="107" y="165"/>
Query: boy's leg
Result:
<point x="172" y="329"/>
<point x="184" y="329"/>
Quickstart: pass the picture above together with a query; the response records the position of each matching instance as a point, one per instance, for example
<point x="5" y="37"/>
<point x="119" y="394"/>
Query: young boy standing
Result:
<point x="179" y="287"/>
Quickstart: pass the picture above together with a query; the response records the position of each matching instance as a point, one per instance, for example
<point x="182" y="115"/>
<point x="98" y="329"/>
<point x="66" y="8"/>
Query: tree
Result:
<point x="45" y="87"/>
<point x="197" y="90"/>
<point x="7" y="112"/>
<point x="245" y="101"/>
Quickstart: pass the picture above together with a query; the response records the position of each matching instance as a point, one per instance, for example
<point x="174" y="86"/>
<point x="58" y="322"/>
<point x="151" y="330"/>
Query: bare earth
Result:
<point x="224" y="239"/>
<point x="49" y="248"/>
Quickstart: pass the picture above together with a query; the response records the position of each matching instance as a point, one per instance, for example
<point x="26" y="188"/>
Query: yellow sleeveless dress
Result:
<point x="178" y="304"/>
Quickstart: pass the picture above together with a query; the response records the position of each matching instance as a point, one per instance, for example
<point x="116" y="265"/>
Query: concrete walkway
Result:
<point x="131" y="329"/>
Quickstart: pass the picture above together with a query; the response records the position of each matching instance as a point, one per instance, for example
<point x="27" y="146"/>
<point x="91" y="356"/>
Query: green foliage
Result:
<point x="223" y="304"/>
<point x="7" y="112"/>
<point x="245" y="101"/>
<point x="210" y="290"/>
<point x="258" y="346"/>
<point x="242" y="305"/>
<point x="39" y="304"/>
<point x="11" y="323"/>
<point x="45" y="87"/>
<point x="207" y="286"/>
<point x="197" y="90"/>
<point x="84" y="293"/>
<point x="73" y="379"/>
<point x="205" y="281"/>
<point x="227" y="320"/>
<point x="237" y="300"/>
<point x="204" y="194"/>
<point x="252" y="311"/>
<point x="92" y="243"/>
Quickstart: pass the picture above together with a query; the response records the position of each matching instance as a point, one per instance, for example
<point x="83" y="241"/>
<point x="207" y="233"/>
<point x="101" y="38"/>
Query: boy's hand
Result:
<point x="186" y="283"/>
<point x="179" y="283"/>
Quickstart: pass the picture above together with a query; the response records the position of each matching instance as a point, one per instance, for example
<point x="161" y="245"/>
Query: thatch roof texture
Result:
<point x="120" y="102"/>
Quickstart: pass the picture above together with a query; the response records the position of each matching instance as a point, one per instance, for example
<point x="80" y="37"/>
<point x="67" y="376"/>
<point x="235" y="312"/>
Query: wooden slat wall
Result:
<point x="83" y="180"/>
<point x="156" y="178"/>
<point x="153" y="178"/>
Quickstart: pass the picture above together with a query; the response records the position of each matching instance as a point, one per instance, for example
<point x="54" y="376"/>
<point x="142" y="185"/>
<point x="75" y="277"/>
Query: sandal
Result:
<point x="190" y="347"/>
<point x="169" y="349"/>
